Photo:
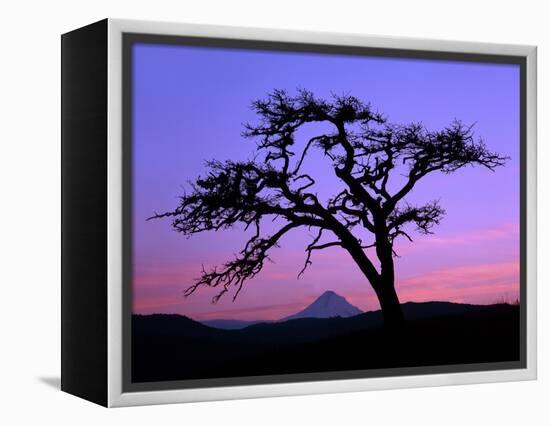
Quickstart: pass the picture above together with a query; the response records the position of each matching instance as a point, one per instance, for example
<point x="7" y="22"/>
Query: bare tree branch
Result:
<point x="244" y="267"/>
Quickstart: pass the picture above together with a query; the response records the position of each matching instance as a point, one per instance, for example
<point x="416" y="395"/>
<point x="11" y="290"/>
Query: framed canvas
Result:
<point x="251" y="212"/>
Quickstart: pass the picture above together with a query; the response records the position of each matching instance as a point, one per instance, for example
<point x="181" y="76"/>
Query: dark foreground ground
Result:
<point x="173" y="347"/>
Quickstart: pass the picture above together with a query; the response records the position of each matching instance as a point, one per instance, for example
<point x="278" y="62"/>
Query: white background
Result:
<point x="30" y="200"/>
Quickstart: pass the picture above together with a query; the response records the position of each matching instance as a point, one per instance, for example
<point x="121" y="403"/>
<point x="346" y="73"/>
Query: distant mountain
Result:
<point x="328" y="305"/>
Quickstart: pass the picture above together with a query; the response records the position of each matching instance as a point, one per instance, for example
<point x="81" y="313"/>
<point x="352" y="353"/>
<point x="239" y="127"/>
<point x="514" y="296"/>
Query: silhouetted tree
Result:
<point x="365" y="152"/>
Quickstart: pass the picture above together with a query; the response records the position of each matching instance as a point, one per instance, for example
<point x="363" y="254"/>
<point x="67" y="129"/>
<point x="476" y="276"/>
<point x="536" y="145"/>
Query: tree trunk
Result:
<point x="391" y="308"/>
<point x="383" y="282"/>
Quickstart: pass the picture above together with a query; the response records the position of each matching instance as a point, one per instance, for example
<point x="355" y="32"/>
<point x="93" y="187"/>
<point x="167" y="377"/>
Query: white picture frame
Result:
<point x="116" y="395"/>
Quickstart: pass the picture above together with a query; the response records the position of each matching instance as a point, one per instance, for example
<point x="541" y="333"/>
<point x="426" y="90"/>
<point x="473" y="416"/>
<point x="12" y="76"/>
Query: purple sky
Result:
<point x="189" y="105"/>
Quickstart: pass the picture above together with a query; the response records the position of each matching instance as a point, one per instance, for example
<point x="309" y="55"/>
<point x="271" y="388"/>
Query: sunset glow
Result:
<point x="189" y="104"/>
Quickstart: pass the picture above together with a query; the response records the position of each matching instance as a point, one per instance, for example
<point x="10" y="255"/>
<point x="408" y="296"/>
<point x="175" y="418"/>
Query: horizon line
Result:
<point x="505" y="300"/>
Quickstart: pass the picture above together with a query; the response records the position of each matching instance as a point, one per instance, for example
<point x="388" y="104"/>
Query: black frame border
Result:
<point x="84" y="234"/>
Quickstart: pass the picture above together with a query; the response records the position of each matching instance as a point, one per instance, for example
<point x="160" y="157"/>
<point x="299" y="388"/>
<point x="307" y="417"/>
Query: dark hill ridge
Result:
<point x="231" y="324"/>
<point x="168" y="325"/>
<point x="291" y="330"/>
<point x="174" y="347"/>
<point x="332" y="305"/>
<point x="308" y="329"/>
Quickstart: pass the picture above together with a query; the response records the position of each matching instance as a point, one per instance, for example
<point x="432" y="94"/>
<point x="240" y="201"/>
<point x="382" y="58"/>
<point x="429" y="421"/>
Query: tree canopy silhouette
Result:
<point x="377" y="163"/>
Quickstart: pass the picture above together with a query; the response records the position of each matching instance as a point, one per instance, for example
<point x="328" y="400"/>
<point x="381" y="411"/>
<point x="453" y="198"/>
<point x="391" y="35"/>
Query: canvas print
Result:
<point x="304" y="214"/>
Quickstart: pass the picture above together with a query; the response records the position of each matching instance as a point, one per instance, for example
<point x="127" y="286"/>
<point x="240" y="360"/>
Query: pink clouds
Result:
<point x="504" y="231"/>
<point x="479" y="266"/>
<point x="198" y="306"/>
<point x="476" y="284"/>
<point x="483" y="283"/>
<point x="492" y="236"/>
